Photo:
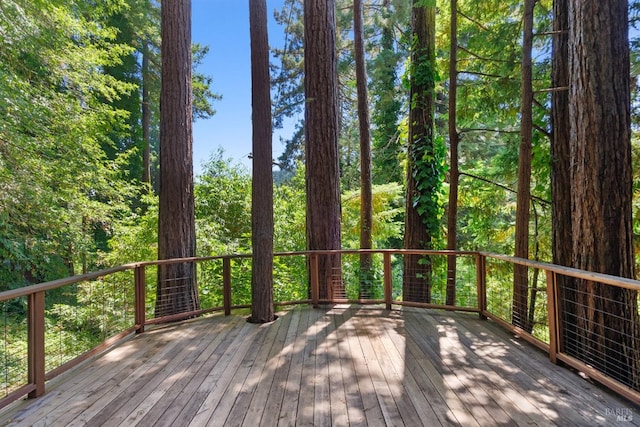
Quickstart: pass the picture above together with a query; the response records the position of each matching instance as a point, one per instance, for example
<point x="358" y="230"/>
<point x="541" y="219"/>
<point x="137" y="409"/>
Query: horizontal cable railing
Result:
<point x="586" y="320"/>
<point x="528" y="316"/>
<point x="593" y="323"/>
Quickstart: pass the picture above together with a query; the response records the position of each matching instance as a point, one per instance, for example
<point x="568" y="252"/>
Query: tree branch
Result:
<point x="474" y="73"/>
<point x="479" y="24"/>
<point x="467" y="130"/>
<point x="464" y="49"/>
<point x="504" y="187"/>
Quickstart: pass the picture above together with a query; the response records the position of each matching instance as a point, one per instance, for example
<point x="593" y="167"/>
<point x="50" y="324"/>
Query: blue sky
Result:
<point x="223" y="25"/>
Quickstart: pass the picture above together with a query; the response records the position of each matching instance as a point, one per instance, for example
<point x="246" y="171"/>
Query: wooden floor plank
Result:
<point x="111" y="398"/>
<point x="337" y="390"/>
<point x="289" y="408"/>
<point x="353" y="397"/>
<point x="511" y="392"/>
<point x="167" y="410"/>
<point x="322" y="398"/>
<point x="77" y="392"/>
<point x="213" y="388"/>
<point x="372" y="409"/>
<point x="429" y="344"/>
<point x="281" y="366"/>
<point x="421" y="372"/>
<point x="249" y="407"/>
<point x="196" y="395"/>
<point x="392" y="361"/>
<point x="463" y="364"/>
<point x="306" y="387"/>
<point x="377" y="400"/>
<point x="550" y="397"/>
<point x="394" y="402"/>
<point x="148" y="388"/>
<point x="341" y="365"/>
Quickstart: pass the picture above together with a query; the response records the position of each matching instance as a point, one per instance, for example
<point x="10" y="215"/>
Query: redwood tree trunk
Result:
<point x="520" y="273"/>
<point x="561" y="160"/>
<point x="454" y="142"/>
<point x="146" y="116"/>
<point x="417" y="234"/>
<point x="366" y="197"/>
<point x="321" y="136"/>
<point x="601" y="177"/>
<point x="176" y="291"/>
<point x="560" y="148"/>
<point x="262" y="185"/>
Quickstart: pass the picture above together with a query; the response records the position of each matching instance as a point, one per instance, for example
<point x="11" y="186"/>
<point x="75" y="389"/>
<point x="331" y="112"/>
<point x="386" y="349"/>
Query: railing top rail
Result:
<point x="376" y="251"/>
<point x="53" y="284"/>
<point x="46" y="286"/>
<point x="571" y="272"/>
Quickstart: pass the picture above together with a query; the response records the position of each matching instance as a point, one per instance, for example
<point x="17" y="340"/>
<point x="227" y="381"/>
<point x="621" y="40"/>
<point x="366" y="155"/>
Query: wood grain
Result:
<point x="340" y="365"/>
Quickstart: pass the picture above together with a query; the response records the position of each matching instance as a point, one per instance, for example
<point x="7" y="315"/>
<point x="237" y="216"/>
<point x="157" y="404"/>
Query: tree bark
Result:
<point x="321" y="136"/>
<point x="417" y="235"/>
<point x="523" y="204"/>
<point x="454" y="142"/>
<point x="366" y="197"/>
<point x="562" y="239"/>
<point x="176" y="290"/>
<point x="601" y="178"/>
<point x="146" y="116"/>
<point x="386" y="165"/>
<point x="560" y="148"/>
<point x="262" y="186"/>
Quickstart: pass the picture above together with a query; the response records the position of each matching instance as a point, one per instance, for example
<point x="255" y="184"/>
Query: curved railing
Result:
<point x="52" y="327"/>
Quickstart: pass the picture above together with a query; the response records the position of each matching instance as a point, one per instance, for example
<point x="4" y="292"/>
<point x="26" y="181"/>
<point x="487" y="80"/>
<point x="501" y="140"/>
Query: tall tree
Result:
<point x="560" y="149"/>
<point x="386" y="102"/>
<point x="288" y="82"/>
<point x="366" y="197"/>
<point x="262" y="185"/>
<point x="562" y="239"/>
<point x="520" y="272"/>
<point x="423" y="169"/>
<point x="61" y="194"/>
<point x="146" y="115"/>
<point x="454" y="143"/>
<point x="606" y="317"/>
<point x="176" y="290"/>
<point x="321" y="137"/>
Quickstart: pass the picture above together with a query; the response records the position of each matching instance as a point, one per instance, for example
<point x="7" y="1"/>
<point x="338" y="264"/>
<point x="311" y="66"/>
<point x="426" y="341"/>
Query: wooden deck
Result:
<point x="334" y="366"/>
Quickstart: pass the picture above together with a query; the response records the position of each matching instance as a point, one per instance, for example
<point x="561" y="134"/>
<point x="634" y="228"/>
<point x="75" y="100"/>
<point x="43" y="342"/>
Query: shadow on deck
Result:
<point x="334" y="366"/>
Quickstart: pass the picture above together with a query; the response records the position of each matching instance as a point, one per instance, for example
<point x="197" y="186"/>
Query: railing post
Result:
<point x="481" y="283"/>
<point x="387" y="280"/>
<point x="36" y="356"/>
<point x="314" y="279"/>
<point x="140" y="298"/>
<point x="226" y="285"/>
<point x="553" y="315"/>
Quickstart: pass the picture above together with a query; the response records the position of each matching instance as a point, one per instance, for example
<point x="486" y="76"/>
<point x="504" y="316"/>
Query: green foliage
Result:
<point x="60" y="192"/>
<point x="287" y="79"/>
<point x="223" y="207"/>
<point x="387" y="102"/>
<point x="289" y="213"/>
<point x="388" y="208"/>
<point x="288" y="73"/>
<point x="203" y="96"/>
<point x="135" y="238"/>
<point x="429" y="167"/>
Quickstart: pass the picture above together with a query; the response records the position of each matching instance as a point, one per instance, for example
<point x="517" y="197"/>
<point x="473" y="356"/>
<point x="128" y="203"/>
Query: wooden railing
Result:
<point x="484" y="284"/>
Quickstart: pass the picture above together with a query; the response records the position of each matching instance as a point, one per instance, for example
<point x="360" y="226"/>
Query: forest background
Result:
<point x="79" y="86"/>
